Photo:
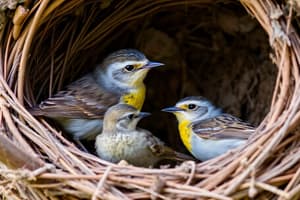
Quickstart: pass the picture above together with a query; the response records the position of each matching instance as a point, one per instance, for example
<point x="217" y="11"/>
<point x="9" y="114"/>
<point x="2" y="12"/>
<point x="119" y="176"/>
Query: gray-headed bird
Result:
<point x="81" y="106"/>
<point x="205" y="130"/>
<point x="121" y="139"/>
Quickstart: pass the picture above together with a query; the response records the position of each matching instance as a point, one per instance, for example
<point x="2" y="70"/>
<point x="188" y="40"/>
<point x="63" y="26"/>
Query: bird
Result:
<point x="80" y="107"/>
<point x="205" y="130"/>
<point x="121" y="139"/>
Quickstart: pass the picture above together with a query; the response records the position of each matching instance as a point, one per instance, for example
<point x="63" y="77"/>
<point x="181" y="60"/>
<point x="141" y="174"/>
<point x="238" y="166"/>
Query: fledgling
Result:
<point x="121" y="139"/>
<point x="81" y="106"/>
<point x="205" y="130"/>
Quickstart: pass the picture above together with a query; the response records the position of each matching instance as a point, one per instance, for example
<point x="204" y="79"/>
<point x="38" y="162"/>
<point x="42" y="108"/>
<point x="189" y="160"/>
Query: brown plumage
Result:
<point x="122" y="140"/>
<point x="80" y="107"/>
<point x="84" y="98"/>
<point x="224" y="126"/>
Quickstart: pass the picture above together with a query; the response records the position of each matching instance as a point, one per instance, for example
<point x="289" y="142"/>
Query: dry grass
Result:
<point x="52" y="167"/>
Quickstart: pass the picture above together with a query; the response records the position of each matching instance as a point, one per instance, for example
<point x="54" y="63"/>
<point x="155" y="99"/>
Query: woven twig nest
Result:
<point x="46" y="44"/>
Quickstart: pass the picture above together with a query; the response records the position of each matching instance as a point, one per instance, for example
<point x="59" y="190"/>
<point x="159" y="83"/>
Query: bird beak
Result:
<point x="151" y="64"/>
<point x="172" y="109"/>
<point x="143" y="114"/>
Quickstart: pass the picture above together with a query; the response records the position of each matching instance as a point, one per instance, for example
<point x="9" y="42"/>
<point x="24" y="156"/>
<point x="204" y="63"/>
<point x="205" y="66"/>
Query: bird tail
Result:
<point x="170" y="154"/>
<point x="182" y="157"/>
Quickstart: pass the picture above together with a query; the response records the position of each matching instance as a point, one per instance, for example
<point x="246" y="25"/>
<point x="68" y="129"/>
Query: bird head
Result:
<point x="122" y="117"/>
<point x="193" y="108"/>
<point x="127" y="68"/>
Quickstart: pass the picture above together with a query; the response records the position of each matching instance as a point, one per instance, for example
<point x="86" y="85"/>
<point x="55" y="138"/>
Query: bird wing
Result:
<point x="224" y="126"/>
<point x="83" y="98"/>
<point x="159" y="149"/>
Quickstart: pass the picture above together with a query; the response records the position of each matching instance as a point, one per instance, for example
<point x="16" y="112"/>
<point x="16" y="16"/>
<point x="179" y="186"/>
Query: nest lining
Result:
<point x="251" y="171"/>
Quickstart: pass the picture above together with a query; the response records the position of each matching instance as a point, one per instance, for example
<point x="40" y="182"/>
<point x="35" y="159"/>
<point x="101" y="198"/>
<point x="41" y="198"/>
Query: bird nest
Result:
<point x="244" y="56"/>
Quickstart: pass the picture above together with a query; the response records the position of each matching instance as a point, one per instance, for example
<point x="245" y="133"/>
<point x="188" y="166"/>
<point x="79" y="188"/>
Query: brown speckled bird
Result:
<point x="121" y="139"/>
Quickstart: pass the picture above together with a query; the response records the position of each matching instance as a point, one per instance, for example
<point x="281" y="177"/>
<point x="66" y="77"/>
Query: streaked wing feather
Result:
<point x="81" y="99"/>
<point x="224" y="126"/>
<point x="159" y="149"/>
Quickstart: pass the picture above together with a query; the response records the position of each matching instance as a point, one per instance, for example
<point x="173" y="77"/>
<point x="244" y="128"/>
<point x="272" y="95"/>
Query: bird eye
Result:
<point x="192" y="106"/>
<point x="129" y="68"/>
<point x="131" y="116"/>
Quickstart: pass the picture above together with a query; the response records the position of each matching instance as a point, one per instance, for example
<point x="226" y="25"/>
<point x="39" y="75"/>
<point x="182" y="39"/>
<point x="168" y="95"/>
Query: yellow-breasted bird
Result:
<point x="121" y="139"/>
<point x="81" y="106"/>
<point x="205" y="130"/>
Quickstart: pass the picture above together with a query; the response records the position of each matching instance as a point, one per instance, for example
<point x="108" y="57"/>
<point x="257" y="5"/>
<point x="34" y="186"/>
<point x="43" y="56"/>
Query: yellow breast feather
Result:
<point x="185" y="134"/>
<point x="135" y="98"/>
